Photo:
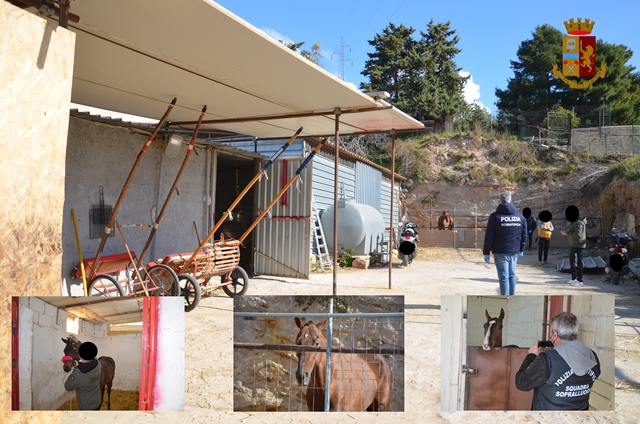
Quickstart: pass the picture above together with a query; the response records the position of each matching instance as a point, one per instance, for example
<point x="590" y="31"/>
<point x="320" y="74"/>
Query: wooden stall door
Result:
<point x="491" y="380"/>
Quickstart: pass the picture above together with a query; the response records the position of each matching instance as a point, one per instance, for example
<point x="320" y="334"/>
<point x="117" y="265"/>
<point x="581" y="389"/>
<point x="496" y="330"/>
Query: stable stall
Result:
<point x="135" y="333"/>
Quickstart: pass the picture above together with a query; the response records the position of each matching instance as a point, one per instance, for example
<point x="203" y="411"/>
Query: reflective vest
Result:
<point x="545" y="233"/>
<point x="564" y="390"/>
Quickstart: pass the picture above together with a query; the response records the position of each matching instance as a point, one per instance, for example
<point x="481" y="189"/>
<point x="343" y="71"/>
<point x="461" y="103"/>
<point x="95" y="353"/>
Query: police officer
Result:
<point x="506" y="237"/>
<point x="562" y="377"/>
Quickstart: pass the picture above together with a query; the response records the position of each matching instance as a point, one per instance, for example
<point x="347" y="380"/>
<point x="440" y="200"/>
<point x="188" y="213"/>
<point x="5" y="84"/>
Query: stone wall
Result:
<point x="605" y="141"/>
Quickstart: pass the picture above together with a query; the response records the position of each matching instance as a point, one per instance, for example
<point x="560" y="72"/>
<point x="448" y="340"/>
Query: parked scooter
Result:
<point x="408" y="248"/>
<point x="618" y="263"/>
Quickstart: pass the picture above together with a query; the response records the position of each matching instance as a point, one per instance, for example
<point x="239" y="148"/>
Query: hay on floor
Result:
<point x="121" y="400"/>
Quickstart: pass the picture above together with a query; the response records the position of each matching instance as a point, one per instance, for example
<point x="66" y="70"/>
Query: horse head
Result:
<point x="71" y="357"/>
<point x="492" y="331"/>
<point x="310" y="334"/>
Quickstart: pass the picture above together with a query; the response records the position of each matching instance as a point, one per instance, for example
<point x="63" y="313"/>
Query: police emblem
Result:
<point x="579" y="55"/>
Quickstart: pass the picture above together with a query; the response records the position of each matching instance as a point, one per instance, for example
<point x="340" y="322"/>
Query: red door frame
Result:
<point x="556" y="305"/>
<point x="149" y="353"/>
<point x="15" y="354"/>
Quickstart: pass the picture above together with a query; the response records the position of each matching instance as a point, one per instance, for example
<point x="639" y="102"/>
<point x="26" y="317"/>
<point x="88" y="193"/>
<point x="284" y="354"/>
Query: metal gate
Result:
<point x="490" y="380"/>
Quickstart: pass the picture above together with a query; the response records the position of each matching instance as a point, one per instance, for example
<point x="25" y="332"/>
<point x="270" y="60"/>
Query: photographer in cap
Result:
<point x="85" y="378"/>
<point x="562" y="377"/>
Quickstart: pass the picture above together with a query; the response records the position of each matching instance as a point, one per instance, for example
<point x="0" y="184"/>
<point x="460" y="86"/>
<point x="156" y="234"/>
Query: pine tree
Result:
<point x="421" y="77"/>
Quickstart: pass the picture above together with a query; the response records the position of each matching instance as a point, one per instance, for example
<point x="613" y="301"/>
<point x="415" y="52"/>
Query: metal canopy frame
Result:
<point x="258" y="76"/>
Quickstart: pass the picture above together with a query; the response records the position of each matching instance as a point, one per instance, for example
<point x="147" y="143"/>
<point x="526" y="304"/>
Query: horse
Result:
<point x="445" y="221"/>
<point x="359" y="382"/>
<point x="107" y="364"/>
<point x="492" y="331"/>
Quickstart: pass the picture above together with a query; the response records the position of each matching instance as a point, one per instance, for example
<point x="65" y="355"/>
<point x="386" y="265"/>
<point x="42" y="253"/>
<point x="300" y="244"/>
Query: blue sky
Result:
<point x="490" y="31"/>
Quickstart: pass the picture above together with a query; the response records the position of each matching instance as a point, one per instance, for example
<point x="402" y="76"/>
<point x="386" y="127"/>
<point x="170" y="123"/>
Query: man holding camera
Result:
<point x="562" y="377"/>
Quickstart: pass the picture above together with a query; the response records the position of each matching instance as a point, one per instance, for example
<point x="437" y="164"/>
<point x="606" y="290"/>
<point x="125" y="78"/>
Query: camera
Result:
<point x="545" y="344"/>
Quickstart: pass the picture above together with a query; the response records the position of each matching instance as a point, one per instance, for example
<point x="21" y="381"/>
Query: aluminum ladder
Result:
<point x="318" y="235"/>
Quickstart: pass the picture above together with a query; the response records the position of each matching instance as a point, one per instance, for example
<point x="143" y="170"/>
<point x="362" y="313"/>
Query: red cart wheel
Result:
<point x="163" y="281"/>
<point x="104" y="285"/>
<point x="240" y="282"/>
<point x="190" y="290"/>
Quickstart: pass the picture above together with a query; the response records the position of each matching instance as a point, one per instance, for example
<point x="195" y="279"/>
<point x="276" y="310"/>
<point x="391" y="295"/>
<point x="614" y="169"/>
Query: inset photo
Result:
<point x="318" y="353"/>
<point x="84" y="353"/>
<point x="528" y="353"/>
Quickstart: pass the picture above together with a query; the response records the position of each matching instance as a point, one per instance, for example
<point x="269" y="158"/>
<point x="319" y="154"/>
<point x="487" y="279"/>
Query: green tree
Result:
<point x="421" y="76"/>
<point x="439" y="87"/>
<point x="472" y="118"/>
<point x="533" y="87"/>
<point x="390" y="67"/>
<point x="314" y="55"/>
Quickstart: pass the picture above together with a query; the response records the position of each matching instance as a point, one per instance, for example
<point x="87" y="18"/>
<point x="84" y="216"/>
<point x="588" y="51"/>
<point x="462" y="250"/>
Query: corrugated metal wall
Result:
<point x="369" y="184"/>
<point x="385" y="204"/>
<point x="282" y="242"/>
<point x="268" y="147"/>
<point x="323" y="175"/>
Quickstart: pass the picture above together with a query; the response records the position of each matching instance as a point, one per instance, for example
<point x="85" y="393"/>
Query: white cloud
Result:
<point x="277" y="36"/>
<point x="471" y="90"/>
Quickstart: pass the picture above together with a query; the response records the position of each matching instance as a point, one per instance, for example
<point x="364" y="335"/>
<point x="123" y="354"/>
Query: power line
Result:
<point x="349" y="18"/>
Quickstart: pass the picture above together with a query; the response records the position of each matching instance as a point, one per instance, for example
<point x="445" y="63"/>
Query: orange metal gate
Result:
<point x="490" y="376"/>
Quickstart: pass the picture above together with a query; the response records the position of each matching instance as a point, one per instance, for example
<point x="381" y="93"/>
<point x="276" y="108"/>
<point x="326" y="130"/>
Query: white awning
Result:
<point x="134" y="57"/>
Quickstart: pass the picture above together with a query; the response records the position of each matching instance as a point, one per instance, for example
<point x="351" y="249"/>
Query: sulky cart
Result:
<point x="217" y="259"/>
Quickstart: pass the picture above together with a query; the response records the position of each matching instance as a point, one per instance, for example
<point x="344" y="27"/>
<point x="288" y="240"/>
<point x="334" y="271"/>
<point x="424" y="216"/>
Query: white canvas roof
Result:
<point x="134" y="57"/>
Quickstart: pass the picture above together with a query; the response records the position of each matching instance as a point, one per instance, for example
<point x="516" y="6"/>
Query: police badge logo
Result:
<point x="579" y="55"/>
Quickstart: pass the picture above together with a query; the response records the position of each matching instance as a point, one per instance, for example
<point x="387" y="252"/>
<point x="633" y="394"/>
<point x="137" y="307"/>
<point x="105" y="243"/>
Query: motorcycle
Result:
<point x="408" y="248"/>
<point x="618" y="263"/>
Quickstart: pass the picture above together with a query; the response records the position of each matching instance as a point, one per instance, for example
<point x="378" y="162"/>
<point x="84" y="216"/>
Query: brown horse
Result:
<point x="445" y="221"/>
<point x="107" y="364"/>
<point x="492" y="331"/>
<point x="359" y="382"/>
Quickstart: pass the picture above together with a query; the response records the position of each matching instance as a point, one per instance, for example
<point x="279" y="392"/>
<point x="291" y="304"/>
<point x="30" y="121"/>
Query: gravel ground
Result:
<point x="436" y="272"/>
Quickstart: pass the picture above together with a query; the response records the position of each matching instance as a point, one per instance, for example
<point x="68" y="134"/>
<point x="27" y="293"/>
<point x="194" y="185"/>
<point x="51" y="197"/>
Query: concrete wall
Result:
<point x="523" y="321"/>
<point x="102" y="156"/>
<point x="521" y="324"/>
<point x="596" y="319"/>
<point x="36" y="64"/>
<point x="169" y="390"/>
<point x="623" y="140"/>
<point x="41" y="375"/>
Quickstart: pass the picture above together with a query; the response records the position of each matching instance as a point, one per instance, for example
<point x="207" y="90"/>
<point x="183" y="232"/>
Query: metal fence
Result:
<point x="470" y="225"/>
<point x="266" y="357"/>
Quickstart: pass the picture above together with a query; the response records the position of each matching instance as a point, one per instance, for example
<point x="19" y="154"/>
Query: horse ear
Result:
<point x="299" y="322"/>
<point x="320" y="325"/>
<point x="501" y="314"/>
<point x="486" y="314"/>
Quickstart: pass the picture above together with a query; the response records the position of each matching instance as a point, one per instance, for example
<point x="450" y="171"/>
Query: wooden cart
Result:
<point x="219" y="258"/>
<point x="116" y="276"/>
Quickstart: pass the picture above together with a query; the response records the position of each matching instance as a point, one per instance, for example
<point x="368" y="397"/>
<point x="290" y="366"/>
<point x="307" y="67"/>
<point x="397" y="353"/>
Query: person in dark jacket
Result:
<point x="562" y="377"/>
<point x="577" y="242"/>
<point x="85" y="378"/>
<point x="506" y="237"/>
<point x="531" y="224"/>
